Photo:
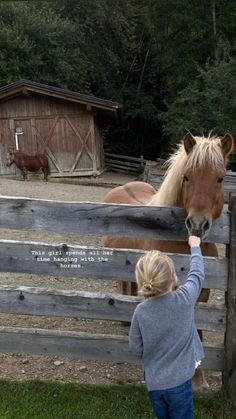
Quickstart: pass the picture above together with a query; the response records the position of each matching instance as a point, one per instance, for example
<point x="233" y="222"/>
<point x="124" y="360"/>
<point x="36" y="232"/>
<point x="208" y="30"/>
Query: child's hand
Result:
<point x="194" y="241"/>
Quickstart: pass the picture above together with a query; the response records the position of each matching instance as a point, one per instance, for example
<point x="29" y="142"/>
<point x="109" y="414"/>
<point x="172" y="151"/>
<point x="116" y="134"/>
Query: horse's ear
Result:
<point x="189" y="142"/>
<point x="227" y="144"/>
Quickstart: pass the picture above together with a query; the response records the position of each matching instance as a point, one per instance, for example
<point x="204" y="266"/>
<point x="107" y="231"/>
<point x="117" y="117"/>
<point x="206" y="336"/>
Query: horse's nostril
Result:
<point x="205" y="225"/>
<point x="188" y="223"/>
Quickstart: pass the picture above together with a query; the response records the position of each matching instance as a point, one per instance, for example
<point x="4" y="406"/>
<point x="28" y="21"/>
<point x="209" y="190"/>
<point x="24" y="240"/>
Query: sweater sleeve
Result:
<point x="135" y="337"/>
<point x="192" y="287"/>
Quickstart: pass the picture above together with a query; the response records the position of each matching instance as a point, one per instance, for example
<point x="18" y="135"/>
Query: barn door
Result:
<point x="68" y="141"/>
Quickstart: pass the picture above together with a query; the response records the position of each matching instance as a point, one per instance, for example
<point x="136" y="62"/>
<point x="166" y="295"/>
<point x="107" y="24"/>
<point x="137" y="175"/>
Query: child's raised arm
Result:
<point x="192" y="287"/>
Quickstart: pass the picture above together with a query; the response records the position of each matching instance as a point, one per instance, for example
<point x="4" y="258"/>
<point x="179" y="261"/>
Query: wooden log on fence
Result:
<point x="84" y="345"/>
<point x="49" y="302"/>
<point x="127" y="158"/>
<point x="162" y="223"/>
<point x="123" y="169"/>
<point x="92" y="262"/>
<point x="229" y="373"/>
<point x="125" y="164"/>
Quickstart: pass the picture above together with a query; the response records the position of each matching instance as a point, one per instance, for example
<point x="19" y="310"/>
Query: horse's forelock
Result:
<point x="206" y="153"/>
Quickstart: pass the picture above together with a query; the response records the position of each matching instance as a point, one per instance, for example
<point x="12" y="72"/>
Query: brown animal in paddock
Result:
<point x="26" y="163"/>
<point x="194" y="181"/>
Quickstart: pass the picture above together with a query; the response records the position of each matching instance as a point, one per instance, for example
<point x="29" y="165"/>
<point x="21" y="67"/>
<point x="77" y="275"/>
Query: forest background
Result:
<point x="170" y="63"/>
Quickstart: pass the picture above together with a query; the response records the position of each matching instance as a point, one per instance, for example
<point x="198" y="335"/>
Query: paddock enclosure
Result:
<point x="65" y="260"/>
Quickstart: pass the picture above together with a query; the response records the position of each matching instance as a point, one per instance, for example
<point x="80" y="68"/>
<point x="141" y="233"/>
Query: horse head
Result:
<point x="9" y="158"/>
<point x="195" y="180"/>
<point x="202" y="192"/>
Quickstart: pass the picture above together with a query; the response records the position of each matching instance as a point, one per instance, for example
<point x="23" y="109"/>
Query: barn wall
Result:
<point x="35" y="104"/>
<point x="66" y="132"/>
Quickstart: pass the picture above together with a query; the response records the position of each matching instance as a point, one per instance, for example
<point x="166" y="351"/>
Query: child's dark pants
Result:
<point x="173" y="403"/>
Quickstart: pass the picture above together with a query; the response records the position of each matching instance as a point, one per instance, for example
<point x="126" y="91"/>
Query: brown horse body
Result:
<point x="26" y="163"/>
<point x="194" y="182"/>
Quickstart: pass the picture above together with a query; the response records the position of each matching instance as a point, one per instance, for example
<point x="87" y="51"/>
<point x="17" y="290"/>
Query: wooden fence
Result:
<point x="124" y="164"/>
<point x="154" y="172"/>
<point x="112" y="264"/>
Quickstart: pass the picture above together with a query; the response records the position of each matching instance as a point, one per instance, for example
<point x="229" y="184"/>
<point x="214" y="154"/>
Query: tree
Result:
<point x="34" y="44"/>
<point x="154" y="57"/>
<point x="207" y="104"/>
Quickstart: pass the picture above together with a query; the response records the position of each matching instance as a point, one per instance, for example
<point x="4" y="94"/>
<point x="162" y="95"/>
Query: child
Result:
<point x="163" y="332"/>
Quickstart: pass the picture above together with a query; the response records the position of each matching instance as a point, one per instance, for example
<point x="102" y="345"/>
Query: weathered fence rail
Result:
<point x="124" y="164"/>
<point x="67" y="260"/>
<point x="102" y="219"/>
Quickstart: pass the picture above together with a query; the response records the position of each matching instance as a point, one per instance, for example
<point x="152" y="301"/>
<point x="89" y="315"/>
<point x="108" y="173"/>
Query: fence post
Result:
<point x="147" y="172"/>
<point x="229" y="372"/>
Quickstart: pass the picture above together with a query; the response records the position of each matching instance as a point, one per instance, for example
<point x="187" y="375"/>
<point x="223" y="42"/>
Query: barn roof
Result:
<point x="106" y="110"/>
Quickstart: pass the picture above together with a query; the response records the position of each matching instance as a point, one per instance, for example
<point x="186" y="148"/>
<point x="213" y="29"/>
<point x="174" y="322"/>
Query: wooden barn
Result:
<point x="65" y="125"/>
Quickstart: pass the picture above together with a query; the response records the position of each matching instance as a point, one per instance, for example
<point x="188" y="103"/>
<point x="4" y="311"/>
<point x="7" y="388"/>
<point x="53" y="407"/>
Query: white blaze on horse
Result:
<point x="194" y="181"/>
<point x="27" y="163"/>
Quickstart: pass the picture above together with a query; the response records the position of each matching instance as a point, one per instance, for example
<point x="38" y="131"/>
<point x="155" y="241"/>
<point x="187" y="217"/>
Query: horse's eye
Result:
<point x="220" y="179"/>
<point x="185" y="178"/>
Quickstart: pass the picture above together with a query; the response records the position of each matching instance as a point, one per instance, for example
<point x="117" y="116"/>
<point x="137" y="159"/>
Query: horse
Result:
<point x="26" y="163"/>
<point x="194" y="181"/>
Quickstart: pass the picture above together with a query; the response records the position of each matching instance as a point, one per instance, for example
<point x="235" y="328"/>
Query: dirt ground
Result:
<point x="22" y="367"/>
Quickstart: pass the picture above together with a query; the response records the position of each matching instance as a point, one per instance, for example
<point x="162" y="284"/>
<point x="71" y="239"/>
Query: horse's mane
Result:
<point x="206" y="153"/>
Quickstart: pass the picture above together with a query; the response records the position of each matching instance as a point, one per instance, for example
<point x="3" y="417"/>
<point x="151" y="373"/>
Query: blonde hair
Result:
<point x="154" y="274"/>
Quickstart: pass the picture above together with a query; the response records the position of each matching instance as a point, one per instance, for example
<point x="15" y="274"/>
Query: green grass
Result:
<point x="40" y="400"/>
<point x="214" y="406"/>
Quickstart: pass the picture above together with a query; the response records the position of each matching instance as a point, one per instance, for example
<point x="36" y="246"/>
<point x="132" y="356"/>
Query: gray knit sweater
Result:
<point x="163" y="333"/>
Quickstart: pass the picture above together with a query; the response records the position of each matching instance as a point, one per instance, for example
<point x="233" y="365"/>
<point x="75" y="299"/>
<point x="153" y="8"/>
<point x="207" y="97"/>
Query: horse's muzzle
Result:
<point x="198" y="226"/>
